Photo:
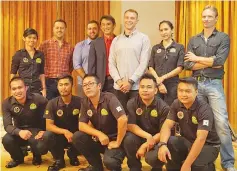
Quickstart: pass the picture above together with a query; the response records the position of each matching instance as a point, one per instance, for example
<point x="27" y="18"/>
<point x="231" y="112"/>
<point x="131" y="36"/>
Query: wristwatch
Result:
<point x="161" y="144"/>
<point x="131" y="81"/>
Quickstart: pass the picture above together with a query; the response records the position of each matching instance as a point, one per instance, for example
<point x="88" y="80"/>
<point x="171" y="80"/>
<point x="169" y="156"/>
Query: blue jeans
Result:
<point x="212" y="92"/>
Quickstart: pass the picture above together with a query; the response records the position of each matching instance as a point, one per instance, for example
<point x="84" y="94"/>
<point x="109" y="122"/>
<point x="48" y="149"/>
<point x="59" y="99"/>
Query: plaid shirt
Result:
<point x="58" y="60"/>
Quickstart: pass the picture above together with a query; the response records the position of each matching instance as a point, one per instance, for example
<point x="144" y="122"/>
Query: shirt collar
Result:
<point x="101" y="100"/>
<point x="135" y="31"/>
<point x="173" y="44"/>
<point x="14" y="101"/>
<point x="153" y="103"/>
<point x="213" y="33"/>
<point x="193" y="107"/>
<point x="54" y="40"/>
<point x="61" y="102"/>
<point x="109" y="38"/>
<point x="88" y="41"/>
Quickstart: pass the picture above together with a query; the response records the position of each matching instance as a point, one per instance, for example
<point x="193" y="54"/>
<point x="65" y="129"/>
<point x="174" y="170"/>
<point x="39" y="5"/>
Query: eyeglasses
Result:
<point x="90" y="84"/>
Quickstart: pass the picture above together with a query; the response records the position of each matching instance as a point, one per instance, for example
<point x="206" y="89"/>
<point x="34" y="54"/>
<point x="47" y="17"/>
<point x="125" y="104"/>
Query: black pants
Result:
<point x="179" y="148"/>
<point x="131" y="144"/>
<point x="171" y="94"/>
<point x="123" y="98"/>
<point x="33" y="86"/>
<point x="56" y="143"/>
<point x="91" y="150"/>
<point x="13" y="144"/>
<point x="52" y="90"/>
<point x="108" y="85"/>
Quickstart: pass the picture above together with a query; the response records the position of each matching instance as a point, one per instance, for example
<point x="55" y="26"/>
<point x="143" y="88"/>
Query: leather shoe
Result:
<point x="36" y="160"/>
<point x="58" y="164"/>
<point x="14" y="163"/>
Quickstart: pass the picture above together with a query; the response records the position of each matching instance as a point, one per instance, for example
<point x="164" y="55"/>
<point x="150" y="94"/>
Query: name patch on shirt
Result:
<point x="172" y="50"/>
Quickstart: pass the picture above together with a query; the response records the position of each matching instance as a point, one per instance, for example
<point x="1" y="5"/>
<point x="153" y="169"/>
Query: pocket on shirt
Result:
<point x="212" y="49"/>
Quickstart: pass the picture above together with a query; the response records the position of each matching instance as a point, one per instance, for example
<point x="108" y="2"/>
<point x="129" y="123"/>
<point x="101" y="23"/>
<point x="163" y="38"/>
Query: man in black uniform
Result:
<point x="61" y="122"/>
<point x="106" y="130"/>
<point x="146" y="114"/>
<point x="198" y="146"/>
<point x="26" y="110"/>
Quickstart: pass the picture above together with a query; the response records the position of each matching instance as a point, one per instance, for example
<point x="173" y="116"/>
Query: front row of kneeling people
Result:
<point x="98" y="124"/>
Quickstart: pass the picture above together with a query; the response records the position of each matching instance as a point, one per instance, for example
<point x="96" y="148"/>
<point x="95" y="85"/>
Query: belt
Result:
<point x="202" y="78"/>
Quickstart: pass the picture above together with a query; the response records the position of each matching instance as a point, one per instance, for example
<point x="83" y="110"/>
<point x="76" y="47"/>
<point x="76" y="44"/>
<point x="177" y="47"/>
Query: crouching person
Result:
<point x="102" y="127"/>
<point x="146" y="114"/>
<point x="61" y="122"/>
<point x="23" y="121"/>
<point x="198" y="146"/>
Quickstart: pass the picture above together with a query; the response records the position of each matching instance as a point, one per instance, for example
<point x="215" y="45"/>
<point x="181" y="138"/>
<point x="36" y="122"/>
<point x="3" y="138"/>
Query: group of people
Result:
<point x="129" y="98"/>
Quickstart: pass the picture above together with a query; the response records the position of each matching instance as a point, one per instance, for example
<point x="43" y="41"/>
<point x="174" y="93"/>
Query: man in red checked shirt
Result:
<point x="58" y="57"/>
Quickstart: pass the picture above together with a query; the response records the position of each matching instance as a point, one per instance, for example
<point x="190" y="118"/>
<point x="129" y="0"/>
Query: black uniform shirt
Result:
<point x="198" y="117"/>
<point x="165" y="60"/>
<point x="64" y="116"/>
<point x="150" y="118"/>
<point x="28" y="68"/>
<point x="29" y="115"/>
<point x="104" y="118"/>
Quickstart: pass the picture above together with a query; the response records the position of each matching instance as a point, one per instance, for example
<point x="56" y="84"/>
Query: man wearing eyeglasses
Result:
<point x="102" y="127"/>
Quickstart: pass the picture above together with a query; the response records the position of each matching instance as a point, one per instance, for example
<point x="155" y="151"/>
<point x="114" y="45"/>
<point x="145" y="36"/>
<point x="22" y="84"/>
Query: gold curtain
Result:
<point x="189" y="23"/>
<point x="16" y="16"/>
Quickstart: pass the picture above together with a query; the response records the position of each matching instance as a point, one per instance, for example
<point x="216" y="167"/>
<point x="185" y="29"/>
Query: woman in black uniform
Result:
<point x="166" y="63"/>
<point x="29" y="63"/>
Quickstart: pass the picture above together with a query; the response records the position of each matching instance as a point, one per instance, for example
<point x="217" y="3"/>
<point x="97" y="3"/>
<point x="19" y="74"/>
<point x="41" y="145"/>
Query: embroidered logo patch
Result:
<point x="194" y="120"/>
<point x="16" y="109"/>
<point x="206" y="122"/>
<point x="180" y="115"/>
<point x="33" y="106"/>
<point x="89" y="113"/>
<point x="25" y="60"/>
<point x="75" y="112"/>
<point x="119" y="108"/>
<point x="139" y="111"/>
<point x="158" y="51"/>
<point x="46" y="112"/>
<point x="154" y="113"/>
<point x="60" y="113"/>
<point x="172" y="50"/>
<point x="38" y="60"/>
<point x="104" y="112"/>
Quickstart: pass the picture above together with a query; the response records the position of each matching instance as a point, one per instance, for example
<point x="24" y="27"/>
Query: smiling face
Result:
<point x="30" y="40"/>
<point x="92" y="31"/>
<point x="59" y="30"/>
<point x="18" y="90"/>
<point x="209" y="18"/>
<point x="186" y="93"/>
<point x="107" y="27"/>
<point x="165" y="31"/>
<point x="130" y="20"/>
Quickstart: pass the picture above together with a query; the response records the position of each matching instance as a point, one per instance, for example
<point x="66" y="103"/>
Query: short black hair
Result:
<point x="16" y="78"/>
<point x="61" y="21"/>
<point x="94" y="76"/>
<point x="108" y="17"/>
<point x="189" y="80"/>
<point x="30" y="31"/>
<point x="93" y="22"/>
<point x="150" y="77"/>
<point x="65" y="76"/>
<point x="167" y="22"/>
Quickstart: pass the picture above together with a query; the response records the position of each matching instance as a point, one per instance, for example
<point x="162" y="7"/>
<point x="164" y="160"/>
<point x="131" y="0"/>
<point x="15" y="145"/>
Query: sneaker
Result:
<point x="73" y="159"/>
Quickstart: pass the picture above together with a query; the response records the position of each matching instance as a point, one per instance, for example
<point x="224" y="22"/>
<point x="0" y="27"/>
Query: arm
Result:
<point x="113" y="63"/>
<point x="196" y="147"/>
<point x="166" y="130"/>
<point x="7" y="121"/>
<point x="138" y="131"/>
<point x="77" y="60"/>
<point x="50" y="126"/>
<point x="144" y="59"/>
<point x="92" y="59"/>
<point x="84" y="127"/>
<point x="15" y="64"/>
<point x="122" y="128"/>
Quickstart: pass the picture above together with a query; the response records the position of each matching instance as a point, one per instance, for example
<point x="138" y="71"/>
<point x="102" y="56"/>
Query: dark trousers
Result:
<point x="34" y="86"/>
<point x="108" y="85"/>
<point x="52" y="90"/>
<point x="91" y="150"/>
<point x="124" y="97"/>
<point x="171" y="94"/>
<point x="131" y="144"/>
<point x="13" y="144"/>
<point x="179" y="148"/>
<point x="56" y="143"/>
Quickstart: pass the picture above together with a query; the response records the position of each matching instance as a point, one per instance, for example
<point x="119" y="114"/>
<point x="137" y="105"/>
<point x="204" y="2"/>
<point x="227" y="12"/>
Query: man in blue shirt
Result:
<point x="81" y="53"/>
